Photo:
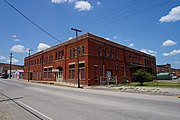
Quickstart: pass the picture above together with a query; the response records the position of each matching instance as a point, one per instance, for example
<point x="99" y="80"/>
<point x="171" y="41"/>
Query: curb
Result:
<point x="53" y="83"/>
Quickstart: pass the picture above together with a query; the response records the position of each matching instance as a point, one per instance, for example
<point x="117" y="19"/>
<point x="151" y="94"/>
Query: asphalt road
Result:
<point x="29" y="101"/>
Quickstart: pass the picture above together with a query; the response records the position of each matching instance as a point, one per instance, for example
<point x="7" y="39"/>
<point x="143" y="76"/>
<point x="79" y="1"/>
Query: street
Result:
<point x="21" y="100"/>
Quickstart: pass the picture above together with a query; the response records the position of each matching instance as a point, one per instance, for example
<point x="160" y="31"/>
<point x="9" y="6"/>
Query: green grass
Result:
<point x="155" y="84"/>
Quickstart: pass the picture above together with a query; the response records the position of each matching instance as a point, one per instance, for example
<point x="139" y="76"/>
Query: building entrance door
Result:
<point x="59" y="75"/>
<point x="109" y="74"/>
<point x="31" y="75"/>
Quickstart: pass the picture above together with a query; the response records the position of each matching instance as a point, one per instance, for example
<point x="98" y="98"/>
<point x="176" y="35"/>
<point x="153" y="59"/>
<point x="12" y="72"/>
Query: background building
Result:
<point x="166" y="68"/>
<point x="5" y="68"/>
<point x="99" y="59"/>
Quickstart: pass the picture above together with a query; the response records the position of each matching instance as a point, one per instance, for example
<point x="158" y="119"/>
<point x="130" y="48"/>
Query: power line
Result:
<point x="110" y="13"/>
<point x="102" y="21"/>
<point x="31" y="21"/>
<point x="124" y="11"/>
<point x="113" y="20"/>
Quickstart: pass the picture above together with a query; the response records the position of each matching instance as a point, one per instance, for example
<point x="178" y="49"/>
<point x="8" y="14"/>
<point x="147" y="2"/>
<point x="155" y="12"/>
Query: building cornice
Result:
<point x="93" y="37"/>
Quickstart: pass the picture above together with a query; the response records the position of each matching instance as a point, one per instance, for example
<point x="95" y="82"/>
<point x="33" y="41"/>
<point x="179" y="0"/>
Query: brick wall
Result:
<point x="98" y="58"/>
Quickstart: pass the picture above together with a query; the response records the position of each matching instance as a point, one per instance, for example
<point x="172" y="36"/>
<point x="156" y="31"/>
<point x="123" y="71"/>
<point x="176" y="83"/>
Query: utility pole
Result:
<point x="125" y="68"/>
<point x="29" y="64"/>
<point x="76" y="30"/>
<point x="10" y="65"/>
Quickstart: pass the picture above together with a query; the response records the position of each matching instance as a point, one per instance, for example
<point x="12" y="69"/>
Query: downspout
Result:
<point x="42" y="67"/>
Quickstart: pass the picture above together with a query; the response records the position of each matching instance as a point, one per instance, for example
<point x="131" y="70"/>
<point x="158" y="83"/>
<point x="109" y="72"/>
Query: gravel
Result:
<point x="141" y="90"/>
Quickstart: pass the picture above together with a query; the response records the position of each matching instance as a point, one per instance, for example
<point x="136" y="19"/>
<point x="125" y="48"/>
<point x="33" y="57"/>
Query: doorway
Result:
<point x="109" y="74"/>
<point x="59" y="74"/>
<point x="31" y="75"/>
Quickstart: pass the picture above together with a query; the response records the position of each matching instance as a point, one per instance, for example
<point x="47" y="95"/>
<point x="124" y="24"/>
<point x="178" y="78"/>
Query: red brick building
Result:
<point x="164" y="68"/>
<point x="98" y="59"/>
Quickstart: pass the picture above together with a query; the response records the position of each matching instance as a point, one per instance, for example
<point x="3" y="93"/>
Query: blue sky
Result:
<point x="152" y="26"/>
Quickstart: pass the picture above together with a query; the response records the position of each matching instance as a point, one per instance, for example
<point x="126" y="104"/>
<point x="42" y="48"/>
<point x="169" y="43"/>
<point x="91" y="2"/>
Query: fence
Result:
<point x="108" y="80"/>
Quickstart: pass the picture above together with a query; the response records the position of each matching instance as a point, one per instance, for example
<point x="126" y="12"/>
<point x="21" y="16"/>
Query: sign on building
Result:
<point x="55" y="70"/>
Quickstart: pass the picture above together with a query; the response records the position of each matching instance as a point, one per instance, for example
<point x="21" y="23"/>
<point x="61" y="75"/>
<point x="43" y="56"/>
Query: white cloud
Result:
<point x="18" y="48"/>
<point x="15" y="38"/>
<point x="131" y="45"/>
<point x="107" y="38"/>
<point x="70" y="38"/>
<point x="98" y="3"/>
<point x="2" y="58"/>
<point x="83" y="5"/>
<point x="177" y="62"/>
<point x="71" y="1"/>
<point x="59" y="1"/>
<point x="174" y="52"/>
<point x="80" y="5"/>
<point x="174" y="15"/>
<point x="42" y="46"/>
<point x="150" y="52"/>
<point x="62" y="1"/>
<point x="168" y="43"/>
<point x="13" y="60"/>
<point x="115" y="37"/>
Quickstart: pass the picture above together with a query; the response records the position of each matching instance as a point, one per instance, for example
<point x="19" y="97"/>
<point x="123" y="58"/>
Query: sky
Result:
<point x="151" y="26"/>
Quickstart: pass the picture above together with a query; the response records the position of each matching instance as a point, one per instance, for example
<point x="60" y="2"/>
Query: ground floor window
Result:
<point x="95" y="73"/>
<point x="82" y="71"/>
<point x="37" y="75"/>
<point x="45" y="72"/>
<point x="40" y="74"/>
<point x="50" y="73"/>
<point x="72" y="72"/>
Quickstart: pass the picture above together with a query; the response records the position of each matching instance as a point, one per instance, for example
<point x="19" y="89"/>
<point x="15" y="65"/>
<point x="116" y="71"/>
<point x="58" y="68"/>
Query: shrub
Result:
<point x="141" y="76"/>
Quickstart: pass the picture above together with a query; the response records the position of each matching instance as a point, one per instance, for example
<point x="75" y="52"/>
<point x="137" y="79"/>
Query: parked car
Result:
<point x="174" y="77"/>
<point x="4" y="76"/>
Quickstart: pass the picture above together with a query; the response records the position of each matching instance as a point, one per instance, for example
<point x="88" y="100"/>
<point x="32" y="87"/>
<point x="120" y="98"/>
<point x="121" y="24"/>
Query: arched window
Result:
<point x="83" y="49"/>
<point x="74" y="52"/>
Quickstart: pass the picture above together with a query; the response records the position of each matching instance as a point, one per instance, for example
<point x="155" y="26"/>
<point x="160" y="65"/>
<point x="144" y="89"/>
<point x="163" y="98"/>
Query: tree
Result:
<point x="142" y="76"/>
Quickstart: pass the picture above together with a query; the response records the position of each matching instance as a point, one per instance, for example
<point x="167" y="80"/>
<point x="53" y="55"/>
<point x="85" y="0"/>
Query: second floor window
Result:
<point x="99" y="51"/>
<point x="62" y="54"/>
<point x="71" y="53"/>
<point x="83" y="50"/>
<point x="74" y="52"/>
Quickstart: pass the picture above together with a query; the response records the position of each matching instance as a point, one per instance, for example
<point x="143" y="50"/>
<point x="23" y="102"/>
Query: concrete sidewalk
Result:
<point x="67" y="84"/>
